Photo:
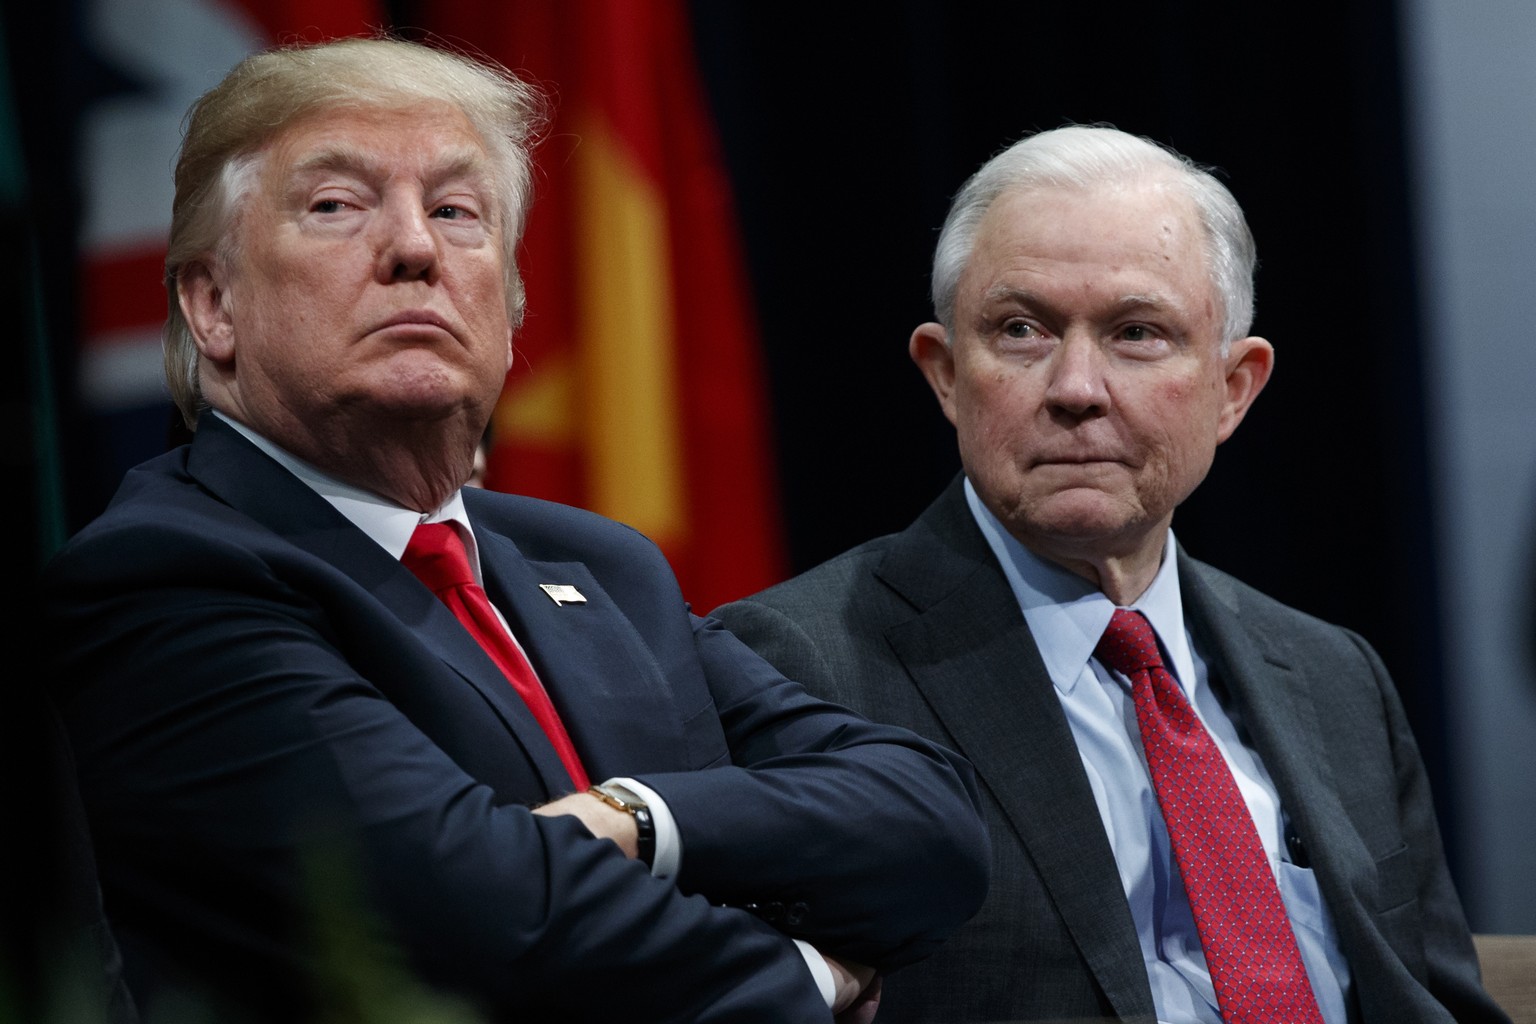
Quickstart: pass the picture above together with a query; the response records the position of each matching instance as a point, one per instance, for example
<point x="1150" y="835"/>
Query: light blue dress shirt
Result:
<point x="1067" y="615"/>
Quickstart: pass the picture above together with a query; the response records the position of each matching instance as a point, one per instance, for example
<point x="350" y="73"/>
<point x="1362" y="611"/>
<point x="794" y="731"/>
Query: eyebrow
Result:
<point x="456" y="162"/>
<point x="1151" y="300"/>
<point x="1004" y="293"/>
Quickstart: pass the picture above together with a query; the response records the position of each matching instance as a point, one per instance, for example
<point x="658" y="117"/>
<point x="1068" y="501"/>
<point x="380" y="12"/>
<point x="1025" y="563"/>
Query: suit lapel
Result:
<point x="1272" y="701"/>
<point x="246" y="479"/>
<point x="972" y="656"/>
<point x="598" y="671"/>
<point x="1277" y="709"/>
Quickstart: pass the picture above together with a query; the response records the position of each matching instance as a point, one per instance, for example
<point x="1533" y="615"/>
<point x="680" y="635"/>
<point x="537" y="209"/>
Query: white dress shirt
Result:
<point x="1067" y="616"/>
<point x="390" y="526"/>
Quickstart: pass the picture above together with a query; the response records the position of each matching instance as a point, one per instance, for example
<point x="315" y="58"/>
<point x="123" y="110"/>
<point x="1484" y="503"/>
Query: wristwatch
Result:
<point x="621" y="799"/>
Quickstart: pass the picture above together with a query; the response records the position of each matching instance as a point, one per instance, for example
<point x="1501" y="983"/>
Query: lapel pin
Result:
<point x="563" y="593"/>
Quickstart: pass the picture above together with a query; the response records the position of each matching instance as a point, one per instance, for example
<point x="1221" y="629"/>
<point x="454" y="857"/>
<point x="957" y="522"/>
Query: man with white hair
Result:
<point x="334" y="712"/>
<point x="1204" y="806"/>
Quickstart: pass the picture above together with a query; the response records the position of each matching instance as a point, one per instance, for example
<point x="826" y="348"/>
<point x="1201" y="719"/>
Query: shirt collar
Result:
<point x="387" y="524"/>
<point x="1067" y="615"/>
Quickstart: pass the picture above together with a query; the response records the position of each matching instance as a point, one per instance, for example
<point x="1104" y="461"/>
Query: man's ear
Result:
<point x="205" y="303"/>
<point x="1249" y="362"/>
<point x="932" y="354"/>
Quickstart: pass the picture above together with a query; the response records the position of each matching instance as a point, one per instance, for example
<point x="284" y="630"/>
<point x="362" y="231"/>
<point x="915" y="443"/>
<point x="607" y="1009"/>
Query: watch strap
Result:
<point x="645" y="826"/>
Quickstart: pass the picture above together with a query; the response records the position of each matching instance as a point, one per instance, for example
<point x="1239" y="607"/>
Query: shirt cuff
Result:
<point x="669" y="844"/>
<point x="820" y="971"/>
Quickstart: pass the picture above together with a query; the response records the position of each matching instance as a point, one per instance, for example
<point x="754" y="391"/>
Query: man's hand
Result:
<point x="601" y="820"/>
<point x="855" y="993"/>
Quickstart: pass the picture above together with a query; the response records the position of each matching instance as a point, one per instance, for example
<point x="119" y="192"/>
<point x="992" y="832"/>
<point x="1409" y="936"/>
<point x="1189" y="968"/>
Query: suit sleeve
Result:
<point x="1449" y="960"/>
<point x="864" y="839"/>
<point x="232" y="756"/>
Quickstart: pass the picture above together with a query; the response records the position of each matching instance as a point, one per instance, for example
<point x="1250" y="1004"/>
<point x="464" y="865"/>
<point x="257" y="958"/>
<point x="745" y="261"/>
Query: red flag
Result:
<point x="638" y="388"/>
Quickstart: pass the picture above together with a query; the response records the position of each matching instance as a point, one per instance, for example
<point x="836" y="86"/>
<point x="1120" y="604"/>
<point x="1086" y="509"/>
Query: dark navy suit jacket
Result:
<point x="274" y="719"/>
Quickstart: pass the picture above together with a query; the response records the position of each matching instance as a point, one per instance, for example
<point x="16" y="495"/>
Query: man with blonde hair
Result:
<point x="1204" y="806"/>
<point x="324" y="699"/>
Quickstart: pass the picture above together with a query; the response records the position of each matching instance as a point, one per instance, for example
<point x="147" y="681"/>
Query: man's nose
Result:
<point x="406" y="244"/>
<point x="1077" y="371"/>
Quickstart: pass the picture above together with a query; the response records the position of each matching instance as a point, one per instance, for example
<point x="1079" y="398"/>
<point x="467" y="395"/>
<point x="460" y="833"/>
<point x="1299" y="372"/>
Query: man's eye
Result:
<point x="328" y="206"/>
<point x="1018" y="329"/>
<point x="1137" y="332"/>
<point x="450" y="213"/>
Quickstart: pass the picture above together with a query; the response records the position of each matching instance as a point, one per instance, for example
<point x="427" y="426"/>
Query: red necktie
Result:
<point x="437" y="556"/>
<point x="1249" y="946"/>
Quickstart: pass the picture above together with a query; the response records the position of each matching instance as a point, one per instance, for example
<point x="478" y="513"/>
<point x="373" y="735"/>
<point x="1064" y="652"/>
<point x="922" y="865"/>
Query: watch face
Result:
<point x="639" y="811"/>
<point x="615" y="797"/>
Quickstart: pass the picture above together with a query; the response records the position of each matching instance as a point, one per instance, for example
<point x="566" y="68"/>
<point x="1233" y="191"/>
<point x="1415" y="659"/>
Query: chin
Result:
<point x="1080" y="516"/>
<point x="417" y="405"/>
<point x="424" y="395"/>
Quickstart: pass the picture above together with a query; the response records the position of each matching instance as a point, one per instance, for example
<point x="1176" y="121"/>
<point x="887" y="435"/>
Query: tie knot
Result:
<point x="436" y="555"/>
<point x="1128" y="646"/>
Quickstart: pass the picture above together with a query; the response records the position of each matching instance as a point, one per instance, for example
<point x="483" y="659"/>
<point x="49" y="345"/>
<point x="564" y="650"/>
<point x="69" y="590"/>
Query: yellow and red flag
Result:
<point x="638" y="387"/>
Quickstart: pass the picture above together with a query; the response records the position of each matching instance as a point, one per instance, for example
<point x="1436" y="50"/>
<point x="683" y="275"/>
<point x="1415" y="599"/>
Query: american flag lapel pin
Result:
<point x="563" y="593"/>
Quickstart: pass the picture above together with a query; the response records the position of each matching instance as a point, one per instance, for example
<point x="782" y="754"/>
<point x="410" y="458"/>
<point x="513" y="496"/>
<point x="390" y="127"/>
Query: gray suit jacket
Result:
<point x="921" y="629"/>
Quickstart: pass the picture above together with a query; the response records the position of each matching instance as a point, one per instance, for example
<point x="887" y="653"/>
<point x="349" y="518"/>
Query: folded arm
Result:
<point x="226" y="744"/>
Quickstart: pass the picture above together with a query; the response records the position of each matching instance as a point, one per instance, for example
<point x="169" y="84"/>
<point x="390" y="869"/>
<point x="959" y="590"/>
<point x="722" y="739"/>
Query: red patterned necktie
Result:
<point x="437" y="556"/>
<point x="1249" y="946"/>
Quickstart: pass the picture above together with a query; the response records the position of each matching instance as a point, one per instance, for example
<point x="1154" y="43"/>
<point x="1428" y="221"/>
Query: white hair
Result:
<point x="1083" y="156"/>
